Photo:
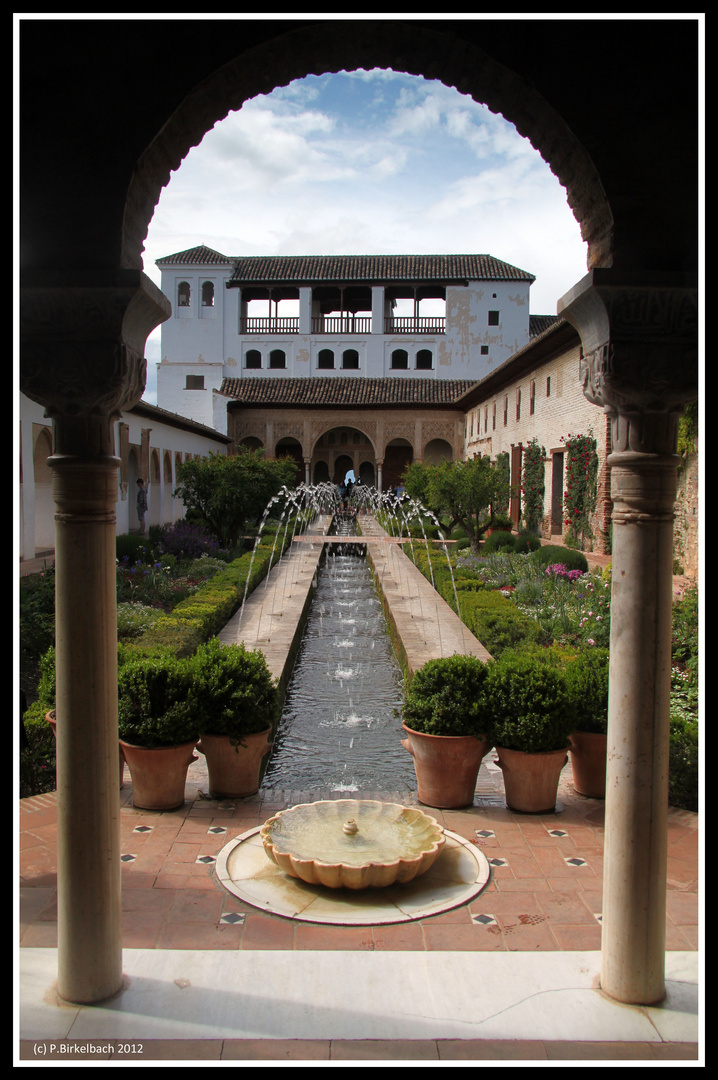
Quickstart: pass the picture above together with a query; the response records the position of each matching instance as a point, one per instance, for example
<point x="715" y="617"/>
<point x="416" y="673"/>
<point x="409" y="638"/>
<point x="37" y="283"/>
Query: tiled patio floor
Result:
<point x="544" y="894"/>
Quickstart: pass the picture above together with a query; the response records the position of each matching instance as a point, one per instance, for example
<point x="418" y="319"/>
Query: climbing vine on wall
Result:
<point x="533" y="484"/>
<point x="581" y="492"/>
<point x="503" y="493"/>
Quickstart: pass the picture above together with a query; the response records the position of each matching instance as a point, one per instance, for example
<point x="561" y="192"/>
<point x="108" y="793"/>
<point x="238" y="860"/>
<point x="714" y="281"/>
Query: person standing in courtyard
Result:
<point x="141" y="504"/>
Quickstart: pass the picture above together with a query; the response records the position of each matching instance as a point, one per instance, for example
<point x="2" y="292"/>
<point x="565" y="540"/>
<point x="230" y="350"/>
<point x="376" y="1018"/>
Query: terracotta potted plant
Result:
<point x="46" y="700"/>
<point x="445" y="721"/>
<point x="238" y="707"/>
<point x="587" y="683"/>
<point x="532" y="725"/>
<point x="158" y="727"/>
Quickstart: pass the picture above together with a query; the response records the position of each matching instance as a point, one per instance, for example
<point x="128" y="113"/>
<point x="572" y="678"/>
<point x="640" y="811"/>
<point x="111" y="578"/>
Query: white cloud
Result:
<point x="371" y="162"/>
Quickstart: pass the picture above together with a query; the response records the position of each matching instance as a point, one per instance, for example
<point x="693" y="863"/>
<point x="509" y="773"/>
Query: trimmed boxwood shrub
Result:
<point x="530" y="704"/>
<point x="235" y="692"/>
<point x="497" y="622"/>
<point x="587" y="684"/>
<point x="156" y="703"/>
<point x="498" y="541"/>
<point x="683" y="764"/>
<point x="554" y="553"/>
<point x="446" y="697"/>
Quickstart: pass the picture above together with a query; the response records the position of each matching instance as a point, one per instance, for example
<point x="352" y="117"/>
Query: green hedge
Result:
<point x="492" y="618"/>
<point x="181" y="632"/>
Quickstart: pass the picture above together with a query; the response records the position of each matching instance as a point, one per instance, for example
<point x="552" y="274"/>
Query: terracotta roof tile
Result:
<point x="368" y="268"/>
<point x="196" y="256"/>
<point x="540" y="323"/>
<point x="317" y="268"/>
<point x="322" y="392"/>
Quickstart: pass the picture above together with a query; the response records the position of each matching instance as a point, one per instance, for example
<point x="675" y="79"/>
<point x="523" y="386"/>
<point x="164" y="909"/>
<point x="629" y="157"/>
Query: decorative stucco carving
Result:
<point x="640" y="356"/>
<point x="83" y="356"/>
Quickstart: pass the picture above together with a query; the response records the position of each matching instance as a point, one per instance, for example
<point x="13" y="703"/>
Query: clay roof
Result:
<point x="538" y="324"/>
<point x="343" y="391"/>
<point x="196" y="256"/>
<point x="266" y="269"/>
<point x="369" y="268"/>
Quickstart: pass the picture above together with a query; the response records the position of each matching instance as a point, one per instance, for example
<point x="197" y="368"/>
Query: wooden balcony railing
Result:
<point x="341" y="324"/>
<point x="422" y="324"/>
<point x="270" y="324"/>
<point x="344" y="324"/>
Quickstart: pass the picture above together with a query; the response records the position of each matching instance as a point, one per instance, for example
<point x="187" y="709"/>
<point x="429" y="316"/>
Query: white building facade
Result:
<point x="151" y="444"/>
<point x="431" y="316"/>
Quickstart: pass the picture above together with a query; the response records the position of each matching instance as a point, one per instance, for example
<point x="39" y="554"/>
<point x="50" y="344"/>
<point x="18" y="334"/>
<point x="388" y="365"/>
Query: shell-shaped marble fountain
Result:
<point x="352" y="843"/>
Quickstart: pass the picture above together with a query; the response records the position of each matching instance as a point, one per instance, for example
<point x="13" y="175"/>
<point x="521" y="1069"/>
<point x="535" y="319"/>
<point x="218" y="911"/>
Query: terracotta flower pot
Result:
<point x="234" y="770"/>
<point x="52" y="721"/>
<point x="588" y="763"/>
<point x="446" y="767"/>
<point x="531" y="780"/>
<point x="158" y="775"/>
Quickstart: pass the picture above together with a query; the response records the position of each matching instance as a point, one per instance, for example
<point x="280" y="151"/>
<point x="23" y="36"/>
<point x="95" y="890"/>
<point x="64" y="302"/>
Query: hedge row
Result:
<point x="194" y="621"/>
<point x="492" y="618"/>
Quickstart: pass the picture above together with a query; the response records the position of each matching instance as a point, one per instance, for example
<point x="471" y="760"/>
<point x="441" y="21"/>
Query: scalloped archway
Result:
<point x="413" y="49"/>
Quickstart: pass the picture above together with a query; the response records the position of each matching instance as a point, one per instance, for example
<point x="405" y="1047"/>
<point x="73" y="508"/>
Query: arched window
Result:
<point x="424" y="360"/>
<point x="400" y="360"/>
<point x="207" y="294"/>
<point x="325" y="359"/>
<point x="277" y="358"/>
<point x="183" y="294"/>
<point x="350" y="360"/>
<point x="253" y="359"/>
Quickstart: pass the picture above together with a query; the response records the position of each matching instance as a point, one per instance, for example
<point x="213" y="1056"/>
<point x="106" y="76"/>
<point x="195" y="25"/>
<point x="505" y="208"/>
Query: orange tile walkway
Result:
<point x="535" y="900"/>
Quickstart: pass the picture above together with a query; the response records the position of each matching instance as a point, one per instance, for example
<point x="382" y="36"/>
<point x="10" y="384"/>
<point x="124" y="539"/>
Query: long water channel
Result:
<point x="339" y="730"/>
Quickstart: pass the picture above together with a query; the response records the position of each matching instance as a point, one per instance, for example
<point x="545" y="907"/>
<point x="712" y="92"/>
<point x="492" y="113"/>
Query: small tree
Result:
<point x="462" y="491"/>
<point x="227" y="491"/>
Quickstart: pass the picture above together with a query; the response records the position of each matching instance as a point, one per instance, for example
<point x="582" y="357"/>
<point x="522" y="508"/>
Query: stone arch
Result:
<point x="155" y="488"/>
<point x="44" y="504"/>
<point x="351" y="425"/>
<point x="367" y="473"/>
<point x="321" y="473"/>
<point x="401" y="46"/>
<point x="291" y="447"/>
<point x="438" y="450"/>
<point x="398" y="455"/>
<point x="251" y="442"/>
<point x="342" y="464"/>
<point x="133" y="473"/>
<point x="167" y="486"/>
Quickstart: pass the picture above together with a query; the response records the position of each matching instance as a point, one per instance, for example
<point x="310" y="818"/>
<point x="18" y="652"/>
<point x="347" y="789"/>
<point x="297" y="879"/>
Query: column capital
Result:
<point x="640" y="353"/>
<point x="83" y="352"/>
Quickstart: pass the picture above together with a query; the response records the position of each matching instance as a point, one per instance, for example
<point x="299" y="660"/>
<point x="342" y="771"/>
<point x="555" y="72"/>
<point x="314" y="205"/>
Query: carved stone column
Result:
<point x="640" y="364"/>
<point x="82" y="358"/>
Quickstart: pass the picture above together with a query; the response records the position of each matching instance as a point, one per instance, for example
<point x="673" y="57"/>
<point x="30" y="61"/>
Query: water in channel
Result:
<point x="339" y="731"/>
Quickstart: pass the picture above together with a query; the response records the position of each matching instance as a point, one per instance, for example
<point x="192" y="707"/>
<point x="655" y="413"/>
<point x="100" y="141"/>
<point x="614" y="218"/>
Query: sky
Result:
<point x="369" y="162"/>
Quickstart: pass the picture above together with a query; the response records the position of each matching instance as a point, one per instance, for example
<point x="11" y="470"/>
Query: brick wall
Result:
<point x="547" y="403"/>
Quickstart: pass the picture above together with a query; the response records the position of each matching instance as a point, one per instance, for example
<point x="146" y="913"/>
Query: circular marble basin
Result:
<point x="352" y="843"/>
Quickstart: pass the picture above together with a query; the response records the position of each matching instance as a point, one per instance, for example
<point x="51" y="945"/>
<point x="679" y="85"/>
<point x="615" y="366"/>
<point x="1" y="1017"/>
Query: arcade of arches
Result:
<point x="91" y="177"/>
<point x="376" y="447"/>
